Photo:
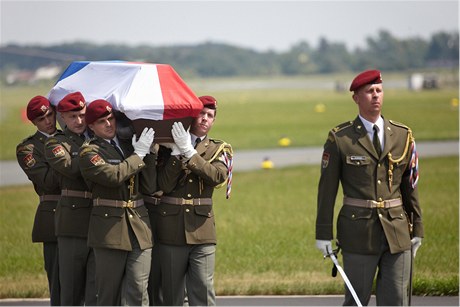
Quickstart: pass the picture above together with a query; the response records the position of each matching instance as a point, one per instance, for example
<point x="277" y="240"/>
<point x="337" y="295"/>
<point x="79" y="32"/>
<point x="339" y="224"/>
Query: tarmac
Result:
<point x="246" y="160"/>
<point x="278" y="300"/>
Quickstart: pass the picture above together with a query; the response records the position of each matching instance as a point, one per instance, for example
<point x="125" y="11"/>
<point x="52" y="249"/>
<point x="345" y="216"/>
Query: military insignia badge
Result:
<point x="325" y="160"/>
<point x="58" y="151"/>
<point x="97" y="160"/>
<point x="29" y="160"/>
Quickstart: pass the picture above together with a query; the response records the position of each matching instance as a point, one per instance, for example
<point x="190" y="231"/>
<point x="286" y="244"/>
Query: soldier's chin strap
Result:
<point x="333" y="255"/>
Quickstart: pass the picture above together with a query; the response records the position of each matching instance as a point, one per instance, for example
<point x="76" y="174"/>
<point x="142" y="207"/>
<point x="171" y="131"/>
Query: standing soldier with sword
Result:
<point x="376" y="162"/>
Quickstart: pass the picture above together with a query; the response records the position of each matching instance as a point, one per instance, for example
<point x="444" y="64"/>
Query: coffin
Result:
<point x="149" y="95"/>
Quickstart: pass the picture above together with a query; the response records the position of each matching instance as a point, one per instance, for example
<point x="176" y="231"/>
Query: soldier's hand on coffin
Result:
<point x="416" y="242"/>
<point x="142" y="146"/>
<point x="325" y="246"/>
<point x="174" y="149"/>
<point x="183" y="140"/>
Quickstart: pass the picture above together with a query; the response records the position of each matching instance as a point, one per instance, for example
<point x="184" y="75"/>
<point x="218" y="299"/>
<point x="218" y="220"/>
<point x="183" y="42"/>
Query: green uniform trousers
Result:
<point x="122" y="276"/>
<point x="50" y="255"/>
<point x="77" y="272"/>
<point x="392" y="280"/>
<point x="188" y="266"/>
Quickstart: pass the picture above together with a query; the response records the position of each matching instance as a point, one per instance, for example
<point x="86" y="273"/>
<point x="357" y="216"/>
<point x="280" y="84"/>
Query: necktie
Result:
<point x="376" y="141"/>
<point x="112" y="142"/>
<point x="197" y="141"/>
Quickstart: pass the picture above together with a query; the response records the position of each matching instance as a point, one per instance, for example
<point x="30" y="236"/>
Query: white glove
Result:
<point x="174" y="149"/>
<point x="416" y="243"/>
<point x="325" y="246"/>
<point x="142" y="146"/>
<point x="183" y="140"/>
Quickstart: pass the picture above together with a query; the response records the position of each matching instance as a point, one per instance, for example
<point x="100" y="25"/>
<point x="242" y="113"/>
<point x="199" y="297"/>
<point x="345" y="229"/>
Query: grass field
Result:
<point x="257" y="118"/>
<point x="265" y="236"/>
<point x="266" y="230"/>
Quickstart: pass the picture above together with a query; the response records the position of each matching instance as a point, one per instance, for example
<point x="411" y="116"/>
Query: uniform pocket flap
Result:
<point x="355" y="213"/>
<point x="204" y="210"/>
<point x="166" y="210"/>
<point x="397" y="213"/>
<point x="107" y="211"/>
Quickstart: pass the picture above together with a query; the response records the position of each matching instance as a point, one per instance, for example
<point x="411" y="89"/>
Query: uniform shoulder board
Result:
<point x="84" y="149"/>
<point x="217" y="141"/>
<point x="399" y="124"/>
<point x="51" y="140"/>
<point x="88" y="141"/>
<point x="27" y="138"/>
<point x="342" y="126"/>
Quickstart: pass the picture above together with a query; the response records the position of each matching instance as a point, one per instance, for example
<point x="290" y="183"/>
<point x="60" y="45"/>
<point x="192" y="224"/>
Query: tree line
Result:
<point x="384" y="51"/>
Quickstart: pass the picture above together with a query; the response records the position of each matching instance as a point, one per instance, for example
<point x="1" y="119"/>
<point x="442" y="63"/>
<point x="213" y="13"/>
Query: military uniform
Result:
<point x="185" y="223"/>
<point x="119" y="229"/>
<point x="378" y="195"/>
<point x="31" y="158"/>
<point x="76" y="259"/>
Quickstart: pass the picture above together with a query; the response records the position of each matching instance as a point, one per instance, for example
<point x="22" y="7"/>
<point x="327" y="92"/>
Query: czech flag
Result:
<point x="139" y="90"/>
<point x="142" y="91"/>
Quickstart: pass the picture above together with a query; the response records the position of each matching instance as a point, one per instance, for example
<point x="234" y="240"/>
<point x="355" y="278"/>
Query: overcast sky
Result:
<point x="260" y="25"/>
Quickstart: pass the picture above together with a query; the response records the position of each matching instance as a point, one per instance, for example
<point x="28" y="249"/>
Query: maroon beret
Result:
<point x="366" y="77"/>
<point x="208" y="102"/>
<point x="37" y="107"/>
<point x="71" y="102"/>
<point x="97" y="109"/>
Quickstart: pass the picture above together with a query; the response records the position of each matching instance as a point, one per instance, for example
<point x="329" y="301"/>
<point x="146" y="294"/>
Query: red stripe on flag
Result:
<point x="179" y="99"/>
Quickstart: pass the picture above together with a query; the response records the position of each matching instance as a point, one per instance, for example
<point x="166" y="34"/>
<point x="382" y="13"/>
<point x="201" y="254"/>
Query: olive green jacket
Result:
<point x="111" y="176"/>
<point x="349" y="157"/>
<point x="72" y="213"/>
<point x="31" y="157"/>
<point x="196" y="178"/>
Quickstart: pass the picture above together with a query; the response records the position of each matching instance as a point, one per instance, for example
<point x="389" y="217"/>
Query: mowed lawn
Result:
<point x="266" y="229"/>
<point x="258" y="118"/>
<point x="266" y="239"/>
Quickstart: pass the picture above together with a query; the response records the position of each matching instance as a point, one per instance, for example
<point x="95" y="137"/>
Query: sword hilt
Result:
<point x="334" y="252"/>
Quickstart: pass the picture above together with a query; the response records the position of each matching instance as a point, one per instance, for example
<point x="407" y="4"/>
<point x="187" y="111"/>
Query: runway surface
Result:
<point x="280" y="300"/>
<point x="247" y="160"/>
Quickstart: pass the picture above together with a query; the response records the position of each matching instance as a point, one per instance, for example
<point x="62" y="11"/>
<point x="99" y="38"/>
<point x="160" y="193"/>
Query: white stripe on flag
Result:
<point x="144" y="99"/>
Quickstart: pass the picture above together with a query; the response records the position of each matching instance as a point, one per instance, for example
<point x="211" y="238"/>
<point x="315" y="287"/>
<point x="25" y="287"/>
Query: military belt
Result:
<point x="49" y="197"/>
<point x="181" y="201"/>
<point x="363" y="203"/>
<point x="118" y="203"/>
<point x="73" y="193"/>
<point x="152" y="200"/>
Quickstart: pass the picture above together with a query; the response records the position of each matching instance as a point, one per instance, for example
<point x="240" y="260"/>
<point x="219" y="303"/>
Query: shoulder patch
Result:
<point x="343" y="126"/>
<point x="58" y="151"/>
<point x="97" y="160"/>
<point x="398" y="124"/>
<point x="29" y="160"/>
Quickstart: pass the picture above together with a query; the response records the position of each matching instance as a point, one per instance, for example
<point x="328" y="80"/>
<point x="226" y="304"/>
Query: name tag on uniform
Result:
<point x="357" y="158"/>
<point x="114" y="161"/>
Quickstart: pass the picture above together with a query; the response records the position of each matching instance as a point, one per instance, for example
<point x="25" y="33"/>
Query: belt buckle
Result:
<point x="187" y="201"/>
<point x="380" y="204"/>
<point x="129" y="204"/>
